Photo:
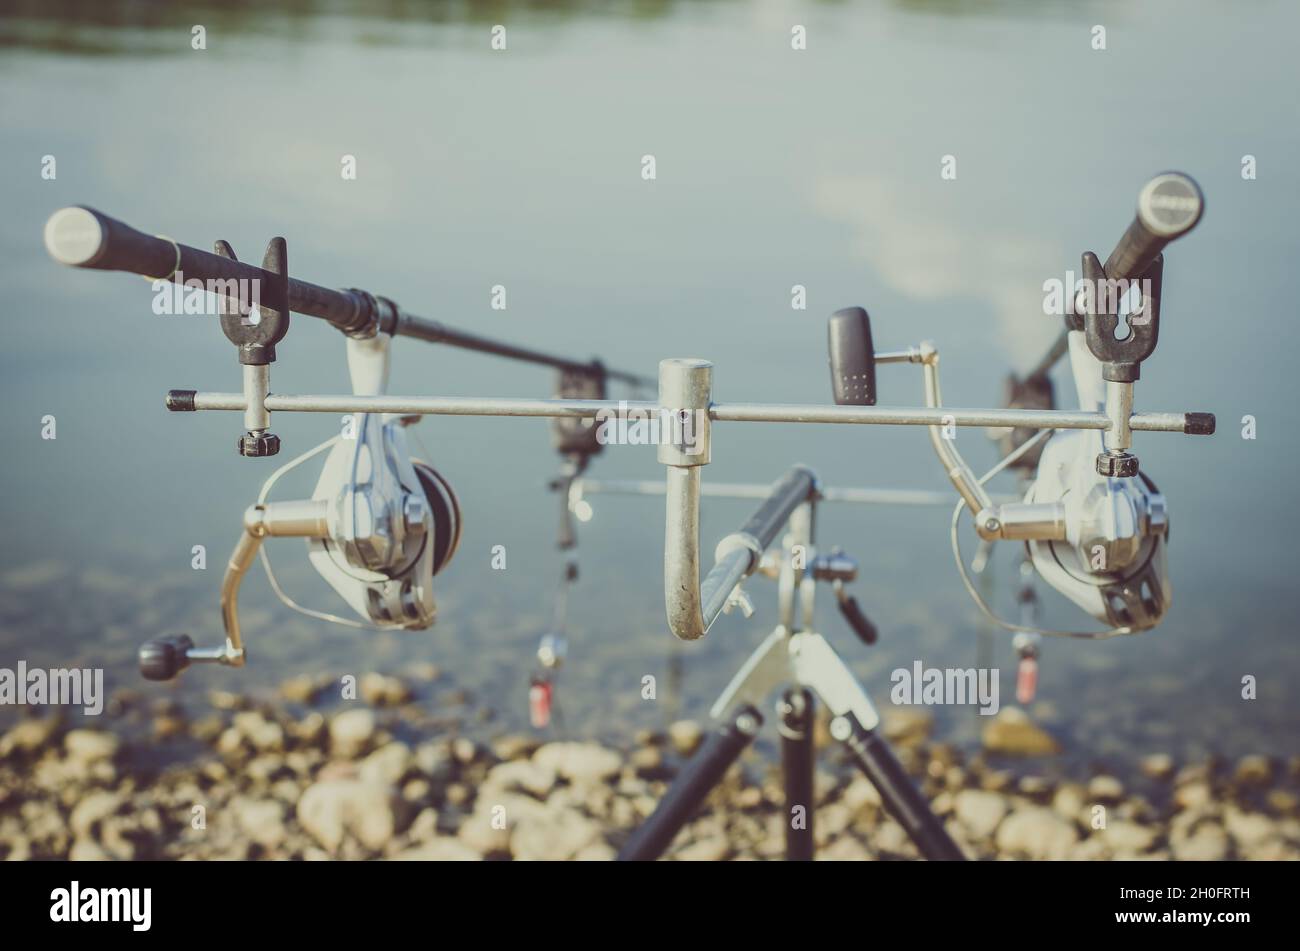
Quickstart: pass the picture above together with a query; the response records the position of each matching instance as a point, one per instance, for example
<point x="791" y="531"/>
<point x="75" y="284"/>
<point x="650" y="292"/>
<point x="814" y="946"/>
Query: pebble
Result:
<point x="88" y="850"/>
<point x="464" y="750"/>
<point x="444" y="848"/>
<point x="1037" y="833"/>
<point x="379" y="690"/>
<point x="1193" y="796"/>
<point x="262" y="820"/>
<point x="1012" y="733"/>
<point x="301" y="689"/>
<point x="861" y="795"/>
<point x="1209" y="843"/>
<point x="1253" y="771"/>
<point x="845" y="849"/>
<point x="685" y="736"/>
<point x="906" y="727"/>
<point x="529" y="776"/>
<point x="1105" y="789"/>
<point x="261" y="733"/>
<point x="425" y="671"/>
<point x="713" y="849"/>
<point x="29" y="735"/>
<point x="1249" y="829"/>
<point x="558" y="835"/>
<point x="93" y="808"/>
<point x="90" y="746"/>
<point x="168" y="727"/>
<point x="388" y="765"/>
<point x="980" y="811"/>
<point x="333" y="809"/>
<point x="1128" y="838"/>
<point x="514" y="746"/>
<point x="581" y="763"/>
<point x="1158" y="766"/>
<point x="351" y="732"/>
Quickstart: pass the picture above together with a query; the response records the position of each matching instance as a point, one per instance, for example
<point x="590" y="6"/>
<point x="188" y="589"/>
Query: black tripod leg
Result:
<point x="899" y="794"/>
<point x="702" y="772"/>
<point x="796" y="711"/>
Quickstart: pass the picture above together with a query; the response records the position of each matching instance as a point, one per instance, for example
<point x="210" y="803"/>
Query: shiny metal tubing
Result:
<point x="306" y="518"/>
<point x="731" y="412"/>
<point x="682" y="554"/>
<point x="1119" y="408"/>
<point x="694" y="606"/>
<point x="756" y="490"/>
<point x="257" y="382"/>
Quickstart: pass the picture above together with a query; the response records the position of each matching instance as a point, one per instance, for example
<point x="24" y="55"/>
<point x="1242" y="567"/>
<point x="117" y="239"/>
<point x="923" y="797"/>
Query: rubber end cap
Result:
<point x="75" y="236"/>
<point x="1198" y="424"/>
<point x="180" y="401"/>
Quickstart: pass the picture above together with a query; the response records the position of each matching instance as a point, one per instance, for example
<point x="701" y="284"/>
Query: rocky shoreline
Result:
<point x="383" y="778"/>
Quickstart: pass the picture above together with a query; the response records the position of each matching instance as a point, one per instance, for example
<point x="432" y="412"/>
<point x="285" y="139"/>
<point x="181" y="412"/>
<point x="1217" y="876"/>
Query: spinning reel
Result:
<point x="380" y="524"/>
<point x="1095" y="527"/>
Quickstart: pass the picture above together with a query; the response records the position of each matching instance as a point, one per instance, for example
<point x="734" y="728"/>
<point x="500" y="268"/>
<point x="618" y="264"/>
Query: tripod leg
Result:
<point x="899" y="794"/>
<point x="796" y="712"/>
<point x="704" y="770"/>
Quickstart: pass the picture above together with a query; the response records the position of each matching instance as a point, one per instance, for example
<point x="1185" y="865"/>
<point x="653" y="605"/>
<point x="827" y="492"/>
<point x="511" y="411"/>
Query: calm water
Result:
<point x="775" y="168"/>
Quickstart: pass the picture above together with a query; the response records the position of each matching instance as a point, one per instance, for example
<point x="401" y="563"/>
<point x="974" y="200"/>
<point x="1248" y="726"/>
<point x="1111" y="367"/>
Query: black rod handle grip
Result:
<point x="80" y="236"/>
<point x="1169" y="206"/>
<point x="83" y="237"/>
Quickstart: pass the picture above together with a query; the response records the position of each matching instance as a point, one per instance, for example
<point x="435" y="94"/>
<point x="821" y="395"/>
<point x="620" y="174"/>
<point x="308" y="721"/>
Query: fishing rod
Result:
<point x="381" y="522"/>
<point x="1071" y="506"/>
<point x="82" y="237"/>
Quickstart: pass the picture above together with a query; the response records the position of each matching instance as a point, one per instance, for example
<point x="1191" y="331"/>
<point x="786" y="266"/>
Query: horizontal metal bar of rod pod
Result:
<point x="728" y="412"/>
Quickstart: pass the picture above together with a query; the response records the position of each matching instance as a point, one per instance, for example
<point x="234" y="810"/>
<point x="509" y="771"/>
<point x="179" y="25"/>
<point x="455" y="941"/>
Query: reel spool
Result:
<point x="446" y="514"/>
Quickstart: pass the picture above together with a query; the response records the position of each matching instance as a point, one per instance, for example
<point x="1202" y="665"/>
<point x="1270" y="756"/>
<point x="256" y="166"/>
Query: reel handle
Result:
<point x="165" y="657"/>
<point x="1168" y="207"/>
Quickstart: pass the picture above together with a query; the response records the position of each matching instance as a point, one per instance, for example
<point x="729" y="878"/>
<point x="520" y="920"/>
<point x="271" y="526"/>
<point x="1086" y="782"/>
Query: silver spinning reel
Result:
<point x="1095" y="526"/>
<point x="379" y="526"/>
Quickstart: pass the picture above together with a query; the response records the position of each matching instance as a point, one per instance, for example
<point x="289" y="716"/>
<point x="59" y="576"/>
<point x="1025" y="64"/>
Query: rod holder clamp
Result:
<point x="257" y="325"/>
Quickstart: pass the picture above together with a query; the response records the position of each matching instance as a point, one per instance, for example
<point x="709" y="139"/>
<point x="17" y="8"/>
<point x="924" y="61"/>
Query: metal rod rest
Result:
<point x="640" y="409"/>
